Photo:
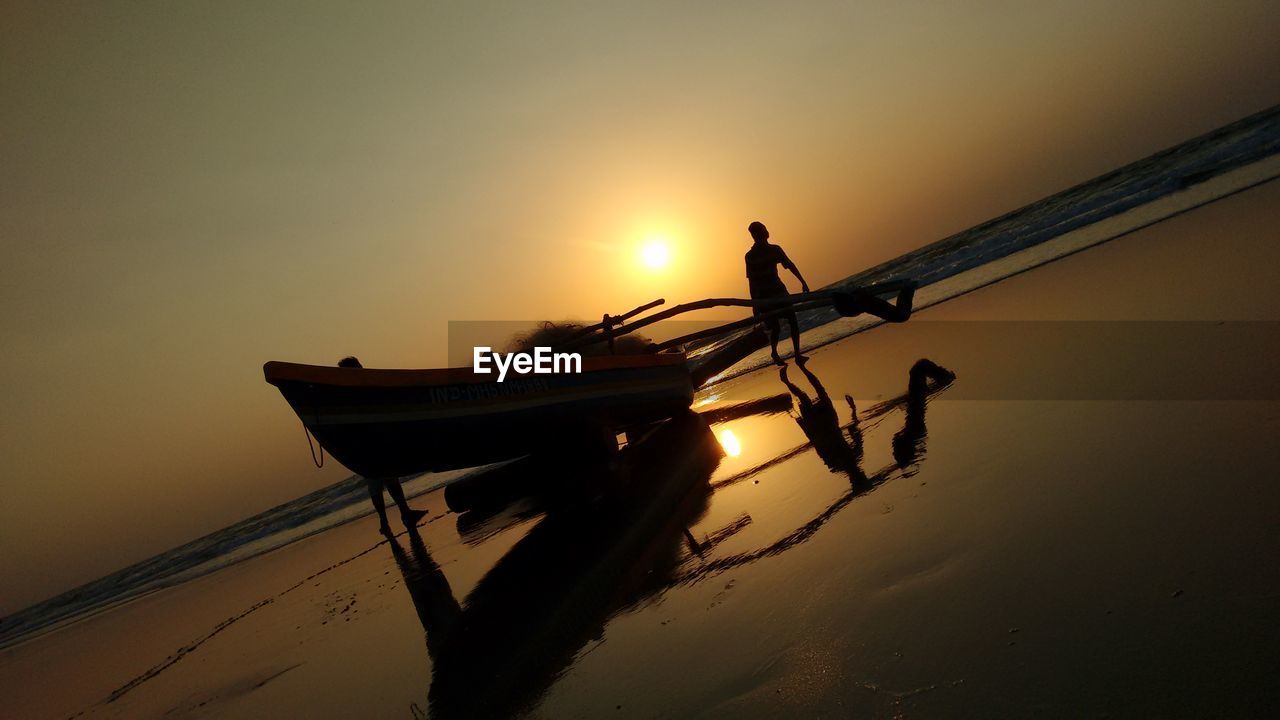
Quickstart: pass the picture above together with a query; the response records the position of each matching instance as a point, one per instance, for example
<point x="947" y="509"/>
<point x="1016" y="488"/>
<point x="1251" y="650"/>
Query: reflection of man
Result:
<point x="437" y="608"/>
<point x="821" y="425"/>
<point x="763" y="260"/>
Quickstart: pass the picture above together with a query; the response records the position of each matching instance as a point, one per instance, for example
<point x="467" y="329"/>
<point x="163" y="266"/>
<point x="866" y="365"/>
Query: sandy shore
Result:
<point x="958" y="554"/>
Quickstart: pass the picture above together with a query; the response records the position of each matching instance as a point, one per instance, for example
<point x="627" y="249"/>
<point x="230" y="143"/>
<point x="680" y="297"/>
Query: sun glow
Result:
<point x="732" y="446"/>
<point x="655" y="253"/>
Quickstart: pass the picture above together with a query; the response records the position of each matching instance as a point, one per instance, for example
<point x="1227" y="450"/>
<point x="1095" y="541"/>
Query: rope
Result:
<point x="318" y="462"/>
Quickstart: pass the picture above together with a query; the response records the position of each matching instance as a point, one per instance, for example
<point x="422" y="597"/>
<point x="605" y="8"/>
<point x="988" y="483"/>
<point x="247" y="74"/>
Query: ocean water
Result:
<point x="316" y="512"/>
<point x="1229" y="160"/>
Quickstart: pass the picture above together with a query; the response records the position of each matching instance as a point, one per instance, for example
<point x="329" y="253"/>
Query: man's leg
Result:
<point x="795" y="335"/>
<point x="407" y="514"/>
<point x="375" y="495"/>
<point x="773" y="329"/>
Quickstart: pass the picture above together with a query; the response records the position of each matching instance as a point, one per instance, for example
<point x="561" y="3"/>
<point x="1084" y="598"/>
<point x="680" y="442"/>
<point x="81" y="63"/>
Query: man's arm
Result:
<point x="786" y="263"/>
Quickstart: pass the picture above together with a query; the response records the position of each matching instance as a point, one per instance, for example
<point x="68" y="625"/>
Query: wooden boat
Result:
<point x="385" y="423"/>
<point x="392" y="423"/>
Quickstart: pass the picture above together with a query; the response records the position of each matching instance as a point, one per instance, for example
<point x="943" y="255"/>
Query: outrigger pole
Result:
<point x="610" y="321"/>
<point x="849" y="303"/>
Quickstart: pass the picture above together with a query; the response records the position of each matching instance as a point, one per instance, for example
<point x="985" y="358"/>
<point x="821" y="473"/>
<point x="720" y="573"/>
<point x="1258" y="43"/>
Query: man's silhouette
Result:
<point x="763" y="260"/>
<point x="408" y="515"/>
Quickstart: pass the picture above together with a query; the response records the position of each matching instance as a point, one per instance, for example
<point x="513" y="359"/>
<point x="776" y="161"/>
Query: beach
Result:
<point x="1049" y="535"/>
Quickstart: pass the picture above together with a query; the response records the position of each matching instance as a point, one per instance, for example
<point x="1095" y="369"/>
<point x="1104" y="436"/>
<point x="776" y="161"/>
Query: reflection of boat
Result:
<point x="561" y="480"/>
<point x="383" y="423"/>
<point x="498" y="650"/>
<point x="495" y="653"/>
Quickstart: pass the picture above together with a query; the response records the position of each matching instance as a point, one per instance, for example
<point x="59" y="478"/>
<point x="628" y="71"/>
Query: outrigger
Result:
<point x="393" y="423"/>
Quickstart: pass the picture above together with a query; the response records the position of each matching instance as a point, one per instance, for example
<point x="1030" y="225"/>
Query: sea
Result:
<point x="1229" y="160"/>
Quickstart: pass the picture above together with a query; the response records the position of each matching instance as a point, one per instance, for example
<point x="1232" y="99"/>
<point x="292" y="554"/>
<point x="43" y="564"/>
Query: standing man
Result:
<point x="763" y="260"/>
<point x="408" y="515"/>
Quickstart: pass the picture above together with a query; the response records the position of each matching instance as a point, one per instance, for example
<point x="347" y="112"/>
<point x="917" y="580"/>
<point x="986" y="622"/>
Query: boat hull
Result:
<point x="390" y="423"/>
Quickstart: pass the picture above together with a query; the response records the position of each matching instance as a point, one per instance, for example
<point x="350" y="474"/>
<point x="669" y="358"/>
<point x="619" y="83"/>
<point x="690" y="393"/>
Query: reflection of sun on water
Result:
<point x="656" y="252"/>
<point x="729" y="441"/>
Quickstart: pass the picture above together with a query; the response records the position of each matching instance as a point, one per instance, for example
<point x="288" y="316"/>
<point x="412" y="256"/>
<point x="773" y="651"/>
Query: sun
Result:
<point x="655" y="253"/>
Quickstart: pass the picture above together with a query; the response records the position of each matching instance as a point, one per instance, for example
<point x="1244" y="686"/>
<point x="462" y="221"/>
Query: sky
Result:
<point x="192" y="189"/>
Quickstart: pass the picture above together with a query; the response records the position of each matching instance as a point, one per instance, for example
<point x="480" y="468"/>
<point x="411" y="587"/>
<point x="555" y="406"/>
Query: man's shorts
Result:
<point x="764" y="291"/>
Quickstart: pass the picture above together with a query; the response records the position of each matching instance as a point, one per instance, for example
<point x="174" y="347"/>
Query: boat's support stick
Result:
<point x="611" y="321"/>
<point x="727" y="327"/>
<point x="790" y="303"/>
<point x="589" y="338"/>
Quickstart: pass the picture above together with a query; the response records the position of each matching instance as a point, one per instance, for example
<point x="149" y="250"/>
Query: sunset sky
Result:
<point x="192" y="189"/>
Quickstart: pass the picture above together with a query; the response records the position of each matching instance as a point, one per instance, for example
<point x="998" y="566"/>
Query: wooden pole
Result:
<point x="805" y="299"/>
<point x="614" y="319"/>
<point x="797" y="302"/>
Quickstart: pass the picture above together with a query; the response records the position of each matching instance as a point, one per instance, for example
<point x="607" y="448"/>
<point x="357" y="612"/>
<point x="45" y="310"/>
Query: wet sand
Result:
<point x="957" y="554"/>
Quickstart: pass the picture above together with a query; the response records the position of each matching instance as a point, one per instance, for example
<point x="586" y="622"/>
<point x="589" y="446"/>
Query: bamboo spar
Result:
<point x="790" y="303"/>
<point x="581" y="332"/>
